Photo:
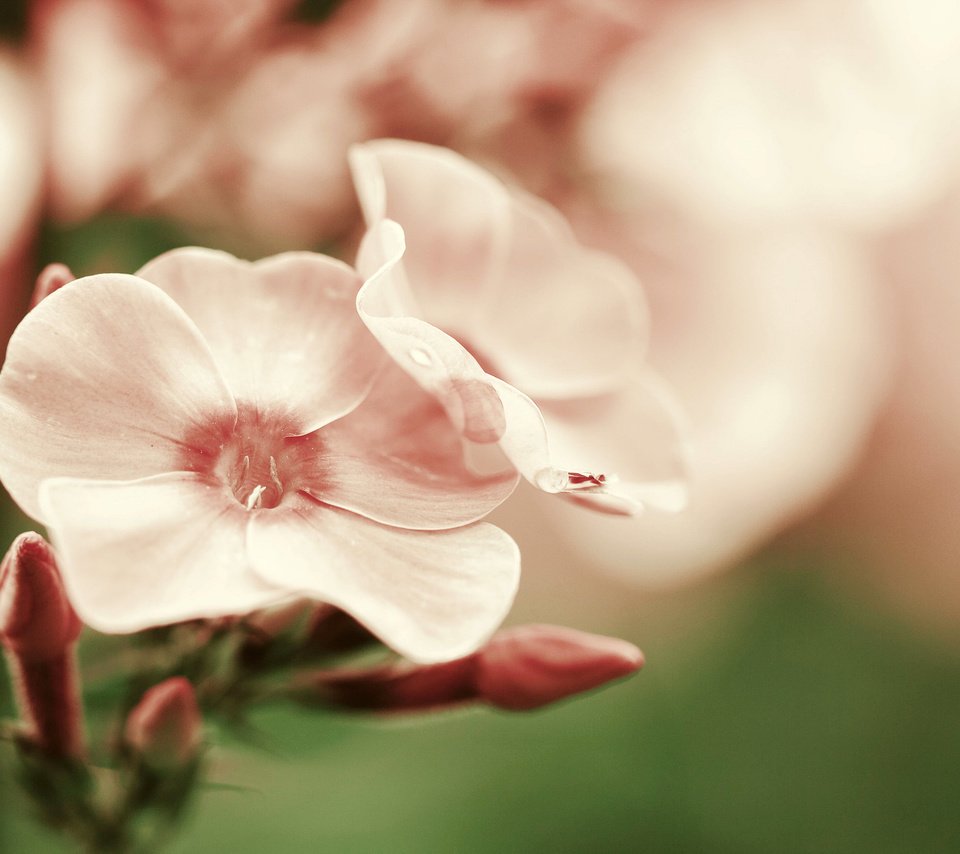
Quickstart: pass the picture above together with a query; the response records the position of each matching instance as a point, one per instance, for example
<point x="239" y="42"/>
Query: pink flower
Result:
<point x="211" y="436"/>
<point x="484" y="297"/>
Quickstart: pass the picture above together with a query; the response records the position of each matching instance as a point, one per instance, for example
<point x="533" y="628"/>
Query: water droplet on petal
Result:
<point x="550" y="480"/>
<point x="421" y="357"/>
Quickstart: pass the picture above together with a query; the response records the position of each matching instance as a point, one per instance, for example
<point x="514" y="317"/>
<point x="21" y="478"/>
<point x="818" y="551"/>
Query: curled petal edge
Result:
<point x="435" y="360"/>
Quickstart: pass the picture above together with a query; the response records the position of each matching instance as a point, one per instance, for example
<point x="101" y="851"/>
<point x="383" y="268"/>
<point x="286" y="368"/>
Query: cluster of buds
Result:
<point x="159" y="753"/>
<point x="162" y="735"/>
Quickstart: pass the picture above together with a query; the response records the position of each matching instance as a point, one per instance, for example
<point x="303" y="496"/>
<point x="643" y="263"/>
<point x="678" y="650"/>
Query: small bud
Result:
<point x="532" y="666"/>
<point x="165" y="727"/>
<point x="39" y="629"/>
<point x="51" y="278"/>
<point x="37" y="622"/>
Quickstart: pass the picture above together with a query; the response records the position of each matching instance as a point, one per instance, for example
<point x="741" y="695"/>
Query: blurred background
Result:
<point x="784" y="178"/>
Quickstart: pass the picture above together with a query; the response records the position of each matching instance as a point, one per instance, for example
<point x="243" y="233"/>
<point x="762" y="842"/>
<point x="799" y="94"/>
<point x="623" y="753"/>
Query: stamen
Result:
<point x="585" y="480"/>
<point x="253" y="500"/>
<point x="589" y="482"/>
<point x="275" y="476"/>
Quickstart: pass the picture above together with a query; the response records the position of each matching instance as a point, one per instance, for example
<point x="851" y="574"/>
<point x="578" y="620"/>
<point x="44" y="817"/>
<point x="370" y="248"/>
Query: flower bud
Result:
<point x="519" y="669"/>
<point x="164" y="728"/>
<point x="39" y="629"/>
<point x="51" y="278"/>
<point x="37" y="622"/>
<point x="532" y="666"/>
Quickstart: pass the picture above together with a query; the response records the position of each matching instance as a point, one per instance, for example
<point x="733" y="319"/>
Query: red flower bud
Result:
<point x="519" y="669"/>
<point x="531" y="666"/>
<point x="39" y="628"/>
<point x="37" y="622"/>
<point x="165" y="728"/>
<point x="51" y="278"/>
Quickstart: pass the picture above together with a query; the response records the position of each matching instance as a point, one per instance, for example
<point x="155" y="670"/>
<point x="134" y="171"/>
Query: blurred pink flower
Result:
<point x="896" y="515"/>
<point x="211" y="436"/>
<point x="542" y="60"/>
<point x="748" y="110"/>
<point x="196" y="32"/>
<point x="21" y="177"/>
<point x="231" y="116"/>
<point x="101" y="69"/>
<point x="486" y="299"/>
<point x="531" y="51"/>
<point x="776" y="343"/>
<point x="172" y="107"/>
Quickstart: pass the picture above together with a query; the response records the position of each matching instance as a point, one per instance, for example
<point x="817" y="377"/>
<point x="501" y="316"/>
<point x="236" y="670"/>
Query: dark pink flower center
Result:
<point x="258" y="459"/>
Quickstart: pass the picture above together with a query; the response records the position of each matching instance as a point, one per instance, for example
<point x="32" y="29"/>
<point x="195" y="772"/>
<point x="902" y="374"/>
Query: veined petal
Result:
<point x="618" y="453"/>
<point x="106" y="378"/>
<point x="455" y="216"/>
<point x="565" y="321"/>
<point x="436" y="361"/>
<point x="431" y="596"/>
<point x="633" y="443"/>
<point x="284" y="330"/>
<point x="145" y="553"/>
<point x="502" y="271"/>
<point x="397" y="459"/>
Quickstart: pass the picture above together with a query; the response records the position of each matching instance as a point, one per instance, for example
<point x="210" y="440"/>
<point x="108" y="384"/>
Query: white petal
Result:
<point x="502" y="272"/>
<point x="636" y="439"/>
<point x="284" y="330"/>
<point x="565" y="321"/>
<point x="455" y="215"/>
<point x="146" y="553"/>
<point x="397" y="459"/>
<point x="432" y="596"/>
<point x="107" y="378"/>
<point x="436" y="361"/>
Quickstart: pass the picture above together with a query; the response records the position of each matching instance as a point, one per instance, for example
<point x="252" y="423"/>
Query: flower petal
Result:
<point x="633" y="442"/>
<point x="146" y="553"/>
<point x="432" y="596"/>
<point x="502" y="272"/>
<point x="435" y="360"/>
<point x="284" y="330"/>
<point x="618" y="453"/>
<point x="565" y="321"/>
<point x="398" y="460"/>
<point x="106" y="378"/>
<point x="457" y="215"/>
